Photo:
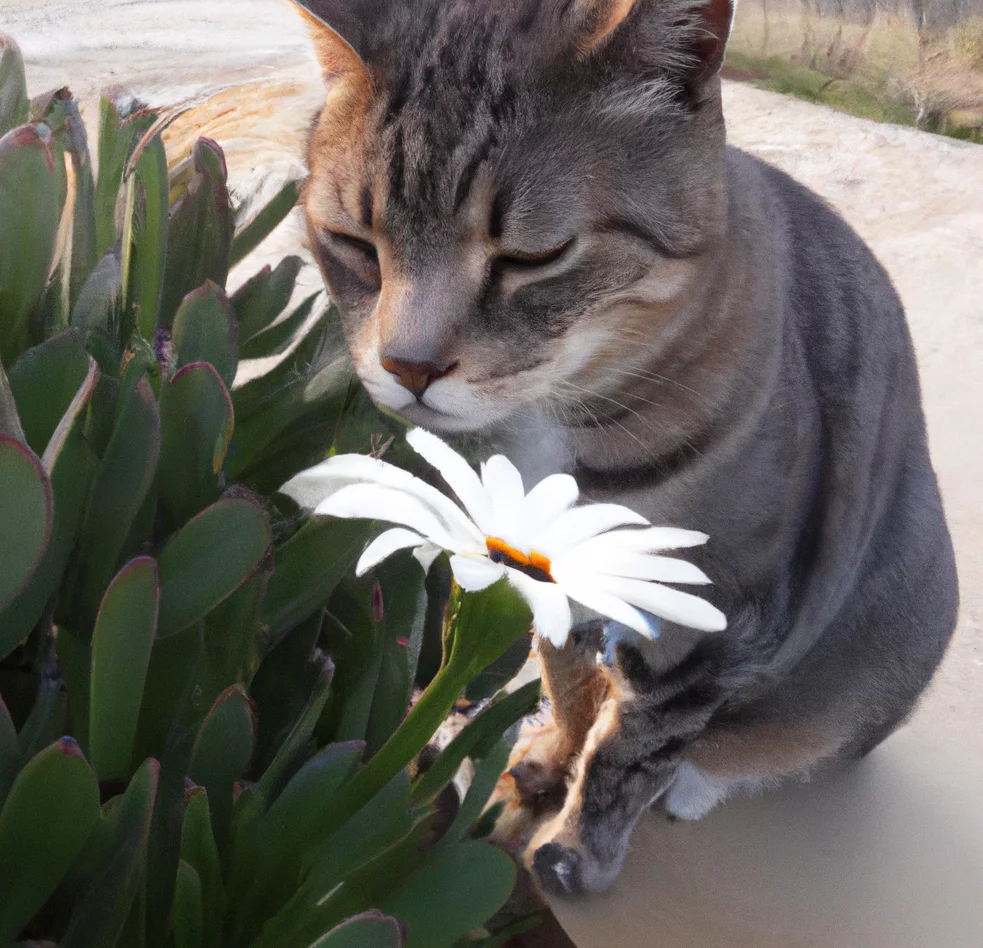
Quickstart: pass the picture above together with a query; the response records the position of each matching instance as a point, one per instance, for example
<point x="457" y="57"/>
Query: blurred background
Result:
<point x="911" y="62"/>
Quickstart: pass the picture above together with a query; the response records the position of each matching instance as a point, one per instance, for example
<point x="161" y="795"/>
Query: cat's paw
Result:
<point x="693" y="794"/>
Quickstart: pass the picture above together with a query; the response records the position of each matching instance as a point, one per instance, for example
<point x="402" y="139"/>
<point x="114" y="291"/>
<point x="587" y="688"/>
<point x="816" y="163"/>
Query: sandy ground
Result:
<point x="892" y="854"/>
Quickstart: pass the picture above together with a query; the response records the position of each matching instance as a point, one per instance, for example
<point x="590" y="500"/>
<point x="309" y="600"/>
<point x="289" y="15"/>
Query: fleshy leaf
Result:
<point x="452" y="894"/>
<point x="222" y="753"/>
<point x="198" y="850"/>
<point x="197" y="424"/>
<point x="205" y="331"/>
<point x="100" y="914"/>
<point x="200" y="233"/>
<point x="13" y="86"/>
<point x="308" y="568"/>
<point x="121" y="646"/>
<point x="32" y="195"/>
<point x="281" y="335"/>
<point x="26" y="516"/>
<point x="187" y="916"/>
<point x="209" y="559"/>
<point x="123" y="481"/>
<point x="262" y="298"/>
<point x="369" y="930"/>
<point x="252" y="234"/>
<point x="46" y="819"/>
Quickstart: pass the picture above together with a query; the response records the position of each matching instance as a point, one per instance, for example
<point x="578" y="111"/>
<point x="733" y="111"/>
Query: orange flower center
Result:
<point x="534" y="565"/>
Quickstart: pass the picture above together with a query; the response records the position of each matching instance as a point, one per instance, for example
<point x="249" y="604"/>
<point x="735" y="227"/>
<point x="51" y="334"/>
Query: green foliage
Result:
<point x="238" y="770"/>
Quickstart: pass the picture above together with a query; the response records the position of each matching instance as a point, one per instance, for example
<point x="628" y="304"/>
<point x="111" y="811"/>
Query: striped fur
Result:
<point x="536" y="196"/>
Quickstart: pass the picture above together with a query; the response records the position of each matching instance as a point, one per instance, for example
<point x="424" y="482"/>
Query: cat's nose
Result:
<point x="416" y="377"/>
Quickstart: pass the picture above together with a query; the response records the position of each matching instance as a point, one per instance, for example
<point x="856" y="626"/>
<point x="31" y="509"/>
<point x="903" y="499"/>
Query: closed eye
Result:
<point x="520" y="260"/>
<point x="348" y="242"/>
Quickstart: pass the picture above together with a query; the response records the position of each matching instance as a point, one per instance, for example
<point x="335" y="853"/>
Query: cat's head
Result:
<point x="511" y="198"/>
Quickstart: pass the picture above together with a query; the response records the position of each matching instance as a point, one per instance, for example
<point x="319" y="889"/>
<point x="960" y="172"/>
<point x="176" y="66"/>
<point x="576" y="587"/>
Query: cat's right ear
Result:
<point x="337" y="30"/>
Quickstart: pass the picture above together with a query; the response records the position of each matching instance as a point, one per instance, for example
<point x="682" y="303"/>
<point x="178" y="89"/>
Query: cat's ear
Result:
<point x="337" y="28"/>
<point x="702" y="28"/>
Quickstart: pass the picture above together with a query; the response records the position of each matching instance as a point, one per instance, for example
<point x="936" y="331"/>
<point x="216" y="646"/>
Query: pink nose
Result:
<point x="415" y="377"/>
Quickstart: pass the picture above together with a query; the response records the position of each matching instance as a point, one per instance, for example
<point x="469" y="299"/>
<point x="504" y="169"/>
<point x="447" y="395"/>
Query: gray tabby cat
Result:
<point x="533" y="228"/>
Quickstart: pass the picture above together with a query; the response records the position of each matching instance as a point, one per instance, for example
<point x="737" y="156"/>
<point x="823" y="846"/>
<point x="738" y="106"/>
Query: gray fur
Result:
<point x="751" y="376"/>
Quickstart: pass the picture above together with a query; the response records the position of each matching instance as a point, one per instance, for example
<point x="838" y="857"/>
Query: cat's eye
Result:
<point x="519" y="260"/>
<point x="347" y="242"/>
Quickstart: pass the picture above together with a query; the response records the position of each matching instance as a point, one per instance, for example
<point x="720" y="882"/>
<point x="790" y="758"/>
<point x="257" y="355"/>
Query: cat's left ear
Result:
<point x="339" y="31"/>
<point x="700" y="30"/>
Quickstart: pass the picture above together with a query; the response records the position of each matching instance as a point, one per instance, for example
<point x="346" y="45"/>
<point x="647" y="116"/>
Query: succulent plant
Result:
<point x="206" y="736"/>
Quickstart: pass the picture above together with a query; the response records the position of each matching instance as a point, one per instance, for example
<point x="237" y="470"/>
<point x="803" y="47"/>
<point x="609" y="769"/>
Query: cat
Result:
<point x="529" y="218"/>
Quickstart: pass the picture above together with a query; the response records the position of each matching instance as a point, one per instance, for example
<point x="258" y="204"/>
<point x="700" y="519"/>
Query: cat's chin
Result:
<point x="441" y="422"/>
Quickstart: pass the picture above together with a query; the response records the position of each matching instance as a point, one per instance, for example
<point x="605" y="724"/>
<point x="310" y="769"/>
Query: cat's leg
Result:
<point x="630" y="757"/>
<point x="535" y="783"/>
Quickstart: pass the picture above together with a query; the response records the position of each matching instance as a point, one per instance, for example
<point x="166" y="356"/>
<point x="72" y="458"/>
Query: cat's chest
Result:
<point x="537" y="446"/>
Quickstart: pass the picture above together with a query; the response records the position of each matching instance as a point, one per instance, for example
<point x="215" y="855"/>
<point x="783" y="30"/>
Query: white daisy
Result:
<point x="604" y="556"/>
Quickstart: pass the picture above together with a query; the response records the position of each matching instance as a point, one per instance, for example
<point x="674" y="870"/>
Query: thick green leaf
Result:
<point x="47" y="718"/>
<point x="369" y="930"/>
<point x="26" y="516"/>
<point x="188" y="918"/>
<point x="501" y="671"/>
<point x="121" y="646"/>
<point x="116" y="139"/>
<point x="14" y="104"/>
<point x="199" y="851"/>
<point x="295" y="822"/>
<point x="205" y="331"/>
<point x="197" y="423"/>
<point x="145" y="236"/>
<point x="71" y="466"/>
<point x="124" y="478"/>
<point x="10" y="758"/>
<point x="386" y="819"/>
<point x="47" y="817"/>
<point x="230" y="632"/>
<point x="45" y="380"/>
<point x="477" y="739"/>
<point x="302" y="363"/>
<point x="222" y="753"/>
<point x="200" y="234"/>
<point x="485" y="626"/>
<point x="75" y="661"/>
<point x="294" y="748"/>
<point x="101" y="913"/>
<point x="292" y="824"/>
<point x="10" y="424"/>
<point x="281" y="335"/>
<point x="209" y="559"/>
<point x="288" y="673"/>
<point x="99" y="302"/>
<point x="262" y="298"/>
<point x="252" y="234"/>
<point x="452" y="894"/>
<point x="32" y="195"/>
<point x="308" y="568"/>
<point x="297" y="410"/>
<point x="487" y="772"/>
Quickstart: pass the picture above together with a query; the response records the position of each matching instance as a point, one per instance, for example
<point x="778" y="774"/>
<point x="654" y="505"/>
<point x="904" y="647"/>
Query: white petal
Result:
<point x="474" y="573"/>
<point x="384" y="545"/>
<point x="504" y="485"/>
<point x="549" y="604"/>
<point x="460" y="476"/>
<point x="671" y="604"/>
<point x="547" y="500"/>
<point x="588" y="594"/>
<point x="582" y="523"/>
<point x="370" y="502"/>
<point x="665" y="569"/>
<point x="643" y="541"/>
<point x="426" y="554"/>
<point x="315" y="485"/>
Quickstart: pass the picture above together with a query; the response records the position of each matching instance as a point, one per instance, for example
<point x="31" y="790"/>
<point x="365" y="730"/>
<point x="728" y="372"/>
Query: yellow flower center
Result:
<point x="534" y="565"/>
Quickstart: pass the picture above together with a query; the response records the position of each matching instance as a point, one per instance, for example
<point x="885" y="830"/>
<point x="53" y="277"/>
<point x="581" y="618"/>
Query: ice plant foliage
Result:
<point x="604" y="556"/>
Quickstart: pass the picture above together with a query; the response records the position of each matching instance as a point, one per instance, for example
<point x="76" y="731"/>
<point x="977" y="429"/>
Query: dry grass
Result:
<point x="884" y="68"/>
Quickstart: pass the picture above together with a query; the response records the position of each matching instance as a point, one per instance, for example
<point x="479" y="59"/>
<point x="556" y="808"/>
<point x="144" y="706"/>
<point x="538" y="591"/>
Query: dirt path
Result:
<point x="917" y="198"/>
